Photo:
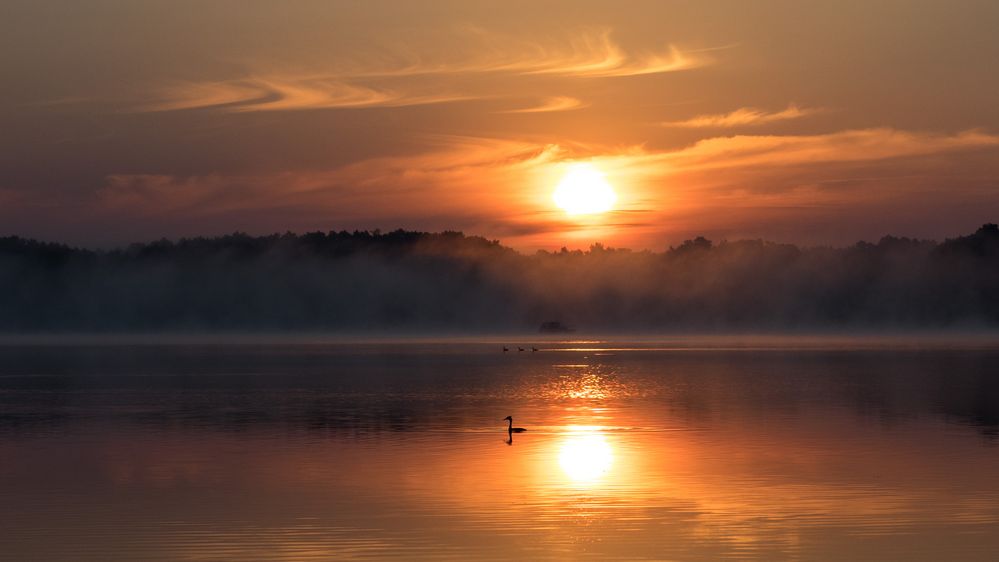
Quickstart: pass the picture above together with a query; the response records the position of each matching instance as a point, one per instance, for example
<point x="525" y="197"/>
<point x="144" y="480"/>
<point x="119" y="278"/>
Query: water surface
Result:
<point x="664" y="450"/>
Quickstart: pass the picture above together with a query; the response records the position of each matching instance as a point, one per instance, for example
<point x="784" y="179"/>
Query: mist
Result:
<point x="416" y="282"/>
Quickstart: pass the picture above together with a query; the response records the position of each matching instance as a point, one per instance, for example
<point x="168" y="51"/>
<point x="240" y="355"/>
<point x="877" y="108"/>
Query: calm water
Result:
<point x="675" y="450"/>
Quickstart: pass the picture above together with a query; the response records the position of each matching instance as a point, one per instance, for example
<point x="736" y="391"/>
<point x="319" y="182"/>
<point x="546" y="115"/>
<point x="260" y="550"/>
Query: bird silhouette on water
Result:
<point x="510" y="428"/>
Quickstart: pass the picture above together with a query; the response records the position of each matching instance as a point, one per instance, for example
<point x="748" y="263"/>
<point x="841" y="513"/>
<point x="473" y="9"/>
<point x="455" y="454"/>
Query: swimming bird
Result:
<point x="512" y="429"/>
<point x="534" y="349"/>
<point x="505" y="349"/>
<point x="520" y="349"/>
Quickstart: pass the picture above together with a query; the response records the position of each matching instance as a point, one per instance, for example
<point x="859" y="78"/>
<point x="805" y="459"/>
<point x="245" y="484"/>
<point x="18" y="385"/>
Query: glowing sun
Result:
<point x="584" y="191"/>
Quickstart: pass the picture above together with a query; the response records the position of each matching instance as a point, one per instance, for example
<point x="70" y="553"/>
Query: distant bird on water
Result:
<point x="505" y="349"/>
<point x="534" y="349"/>
<point x="520" y="349"/>
<point x="512" y="429"/>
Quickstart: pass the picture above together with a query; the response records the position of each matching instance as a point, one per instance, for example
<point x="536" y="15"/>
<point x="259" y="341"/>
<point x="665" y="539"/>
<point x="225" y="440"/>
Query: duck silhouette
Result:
<point x="510" y="428"/>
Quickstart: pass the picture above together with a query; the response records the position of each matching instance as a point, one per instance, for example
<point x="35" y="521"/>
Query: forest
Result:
<point x="447" y="282"/>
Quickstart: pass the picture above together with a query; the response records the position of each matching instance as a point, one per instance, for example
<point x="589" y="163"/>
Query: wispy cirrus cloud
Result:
<point x="405" y="78"/>
<point x="284" y="93"/>
<point x="592" y="53"/>
<point x="588" y="52"/>
<point x="557" y="103"/>
<point x="742" y="117"/>
<point x="855" y="145"/>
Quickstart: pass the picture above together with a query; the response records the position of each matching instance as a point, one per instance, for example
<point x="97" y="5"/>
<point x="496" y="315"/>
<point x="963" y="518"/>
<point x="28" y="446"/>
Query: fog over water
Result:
<point x="409" y="283"/>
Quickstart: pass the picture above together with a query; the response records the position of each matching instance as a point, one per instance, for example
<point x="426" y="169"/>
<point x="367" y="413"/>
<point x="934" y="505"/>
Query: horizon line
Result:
<point x="378" y="232"/>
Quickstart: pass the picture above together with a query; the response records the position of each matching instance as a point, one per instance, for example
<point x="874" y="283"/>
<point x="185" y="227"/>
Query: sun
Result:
<point x="584" y="191"/>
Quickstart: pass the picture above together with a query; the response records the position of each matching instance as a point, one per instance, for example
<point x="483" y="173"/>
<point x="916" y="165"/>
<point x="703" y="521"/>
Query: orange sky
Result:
<point x="798" y="122"/>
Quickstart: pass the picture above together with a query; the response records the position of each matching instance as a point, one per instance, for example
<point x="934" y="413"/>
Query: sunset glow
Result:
<point x="659" y="124"/>
<point x="583" y="190"/>
<point x="546" y="281"/>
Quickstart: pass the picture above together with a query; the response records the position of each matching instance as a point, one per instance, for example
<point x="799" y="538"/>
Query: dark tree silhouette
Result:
<point x="408" y="281"/>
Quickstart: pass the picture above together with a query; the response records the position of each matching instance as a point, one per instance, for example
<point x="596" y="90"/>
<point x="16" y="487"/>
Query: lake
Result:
<point x="669" y="449"/>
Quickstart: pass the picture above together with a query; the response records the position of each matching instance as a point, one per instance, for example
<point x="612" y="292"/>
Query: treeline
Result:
<point x="414" y="281"/>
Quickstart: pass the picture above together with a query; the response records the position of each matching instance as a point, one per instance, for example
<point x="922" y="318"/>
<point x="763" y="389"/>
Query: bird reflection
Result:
<point x="510" y="430"/>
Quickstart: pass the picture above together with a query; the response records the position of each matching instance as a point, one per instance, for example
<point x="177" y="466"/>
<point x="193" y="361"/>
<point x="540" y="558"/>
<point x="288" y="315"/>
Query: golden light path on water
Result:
<point x="585" y="456"/>
<point x="637" y="454"/>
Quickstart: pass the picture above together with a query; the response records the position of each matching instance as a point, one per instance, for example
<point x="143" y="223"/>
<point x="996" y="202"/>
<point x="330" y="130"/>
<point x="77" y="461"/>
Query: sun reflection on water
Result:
<point x="585" y="382"/>
<point x="585" y="457"/>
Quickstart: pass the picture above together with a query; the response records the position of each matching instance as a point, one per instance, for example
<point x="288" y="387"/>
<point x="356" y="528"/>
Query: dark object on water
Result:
<point x="505" y="349"/>
<point x="510" y="428"/>
<point x="534" y="349"/>
<point x="520" y="349"/>
<point x="554" y="327"/>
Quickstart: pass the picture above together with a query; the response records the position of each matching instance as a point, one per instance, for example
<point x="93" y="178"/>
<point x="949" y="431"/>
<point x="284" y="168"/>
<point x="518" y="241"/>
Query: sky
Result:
<point x="805" y="122"/>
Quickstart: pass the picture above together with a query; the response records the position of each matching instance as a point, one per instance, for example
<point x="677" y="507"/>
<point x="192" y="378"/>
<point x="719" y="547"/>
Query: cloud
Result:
<point x="743" y="116"/>
<point x="588" y="52"/>
<point x="797" y="186"/>
<point x="405" y="78"/>
<point x="504" y="175"/>
<point x="460" y="176"/>
<point x="195" y="95"/>
<point x="843" y="146"/>
<point x="752" y="180"/>
<point x="284" y="93"/>
<point x="557" y="103"/>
